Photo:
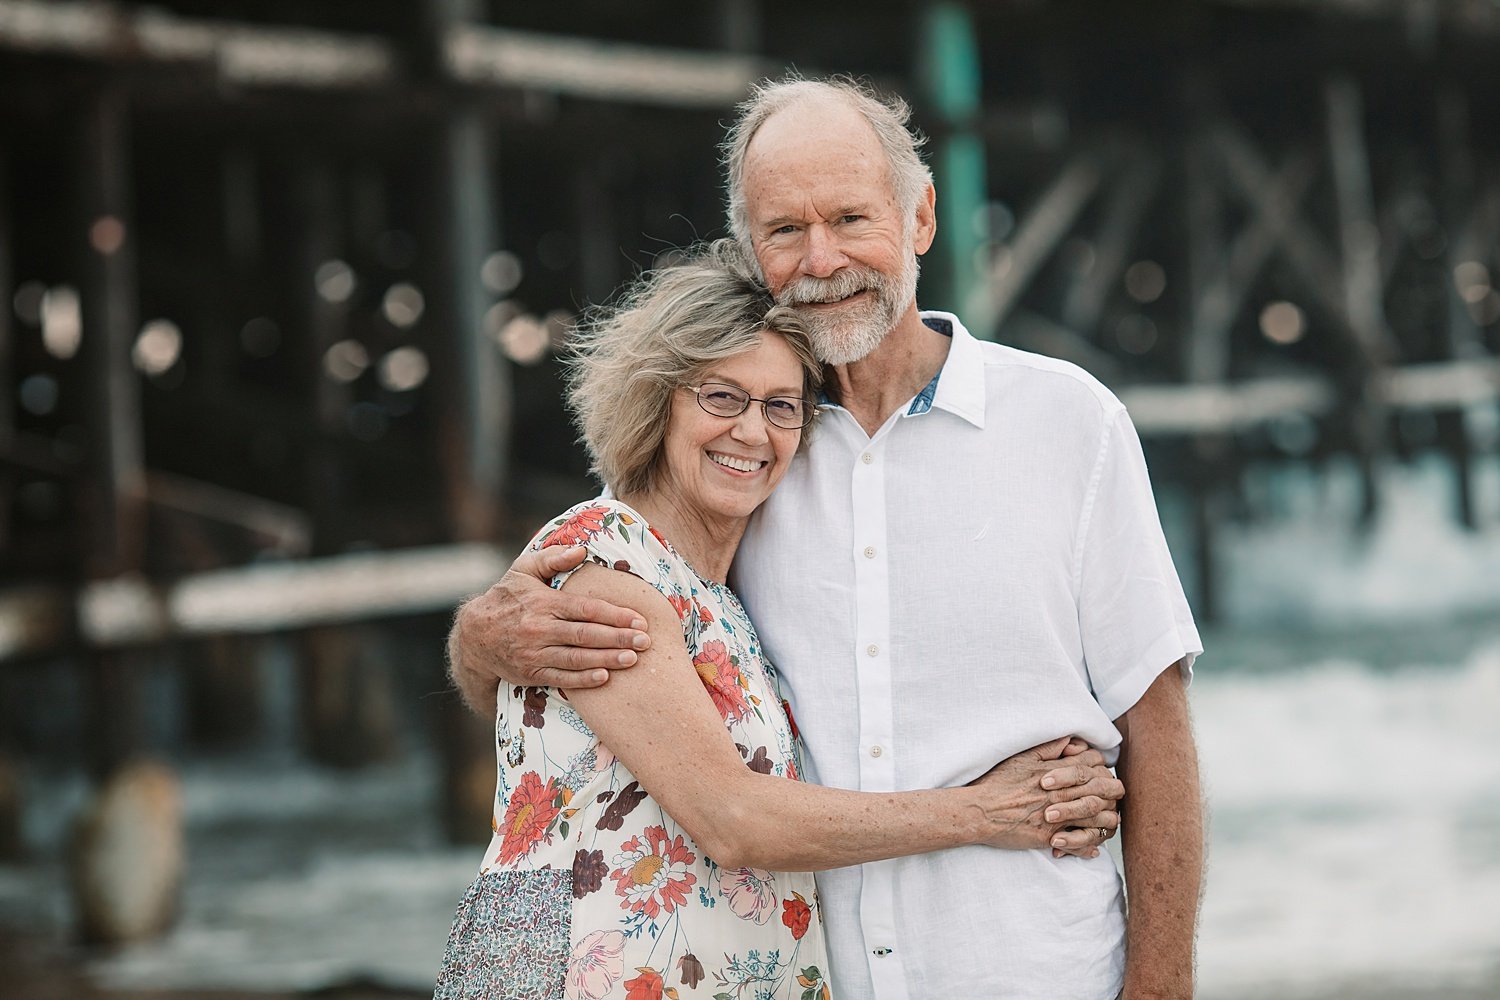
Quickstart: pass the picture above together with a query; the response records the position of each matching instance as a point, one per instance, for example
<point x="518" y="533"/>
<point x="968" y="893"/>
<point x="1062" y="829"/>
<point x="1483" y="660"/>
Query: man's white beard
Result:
<point x="852" y="331"/>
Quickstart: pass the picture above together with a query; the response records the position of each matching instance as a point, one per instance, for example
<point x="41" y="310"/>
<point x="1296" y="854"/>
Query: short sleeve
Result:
<point x="617" y="537"/>
<point x="1133" y="616"/>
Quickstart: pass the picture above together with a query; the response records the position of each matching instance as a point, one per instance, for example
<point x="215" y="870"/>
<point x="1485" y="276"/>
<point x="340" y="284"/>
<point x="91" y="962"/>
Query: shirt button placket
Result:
<point x="872" y="667"/>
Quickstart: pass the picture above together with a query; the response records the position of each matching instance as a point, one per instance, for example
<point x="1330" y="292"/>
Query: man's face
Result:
<point x="825" y="226"/>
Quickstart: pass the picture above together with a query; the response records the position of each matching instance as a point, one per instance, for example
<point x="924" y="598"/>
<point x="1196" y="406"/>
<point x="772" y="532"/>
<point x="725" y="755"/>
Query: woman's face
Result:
<point x="727" y="466"/>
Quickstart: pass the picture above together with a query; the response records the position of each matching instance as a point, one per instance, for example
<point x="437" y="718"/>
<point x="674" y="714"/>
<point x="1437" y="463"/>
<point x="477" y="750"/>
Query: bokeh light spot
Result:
<point x="403" y="369"/>
<point x="1282" y="322"/>
<point x="335" y="281"/>
<point x="62" y="321"/>
<point x="346" y="360"/>
<point x="403" y="305"/>
<point x="1145" y="280"/>
<point x="157" y="347"/>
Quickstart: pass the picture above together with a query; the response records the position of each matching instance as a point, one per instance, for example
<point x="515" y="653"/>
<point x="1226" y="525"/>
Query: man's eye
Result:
<point x="783" y="230"/>
<point x="850" y="218"/>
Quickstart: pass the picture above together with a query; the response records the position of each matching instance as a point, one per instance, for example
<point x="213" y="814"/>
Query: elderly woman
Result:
<point x="651" y="836"/>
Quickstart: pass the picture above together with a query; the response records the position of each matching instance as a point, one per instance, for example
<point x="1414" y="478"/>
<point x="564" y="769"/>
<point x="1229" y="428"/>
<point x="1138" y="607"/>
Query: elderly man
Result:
<point x="967" y="563"/>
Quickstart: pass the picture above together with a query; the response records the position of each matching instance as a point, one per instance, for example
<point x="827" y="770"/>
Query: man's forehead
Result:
<point x="795" y="164"/>
<point x="812" y="122"/>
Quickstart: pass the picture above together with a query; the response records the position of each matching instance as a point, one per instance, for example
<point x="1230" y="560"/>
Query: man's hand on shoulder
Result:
<point x="523" y="632"/>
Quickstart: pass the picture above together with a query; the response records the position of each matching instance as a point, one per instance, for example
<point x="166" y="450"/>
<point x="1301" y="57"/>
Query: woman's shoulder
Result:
<point x="590" y="519"/>
<point x="617" y="536"/>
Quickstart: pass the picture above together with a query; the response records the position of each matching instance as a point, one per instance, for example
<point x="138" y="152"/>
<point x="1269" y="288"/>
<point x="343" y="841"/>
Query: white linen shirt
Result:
<point x="984" y="574"/>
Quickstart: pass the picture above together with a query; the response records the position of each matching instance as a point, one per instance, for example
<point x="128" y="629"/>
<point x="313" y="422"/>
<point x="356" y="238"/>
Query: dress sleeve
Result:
<point x="1133" y="616"/>
<point x="619" y="538"/>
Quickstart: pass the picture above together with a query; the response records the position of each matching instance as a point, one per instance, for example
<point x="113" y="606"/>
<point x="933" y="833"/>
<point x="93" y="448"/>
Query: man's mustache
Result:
<point x="808" y="290"/>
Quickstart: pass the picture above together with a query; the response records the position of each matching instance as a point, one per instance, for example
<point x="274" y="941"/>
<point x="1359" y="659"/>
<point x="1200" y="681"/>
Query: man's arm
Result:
<point x="523" y="632"/>
<point x="1161" y="838"/>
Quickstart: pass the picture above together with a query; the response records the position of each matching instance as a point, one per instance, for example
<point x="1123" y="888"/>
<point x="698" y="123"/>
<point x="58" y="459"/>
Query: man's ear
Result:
<point x="926" y="228"/>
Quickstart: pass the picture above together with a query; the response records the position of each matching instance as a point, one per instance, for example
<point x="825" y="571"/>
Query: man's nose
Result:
<point x="824" y="255"/>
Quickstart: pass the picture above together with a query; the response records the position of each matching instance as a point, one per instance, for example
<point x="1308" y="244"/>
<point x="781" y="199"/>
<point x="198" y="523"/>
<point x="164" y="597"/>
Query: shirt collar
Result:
<point x="958" y="387"/>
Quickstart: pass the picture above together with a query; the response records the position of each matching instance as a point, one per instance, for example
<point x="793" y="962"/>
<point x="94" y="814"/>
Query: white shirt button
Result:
<point x="876" y="751"/>
<point x="867" y="458"/>
<point x="872" y="650"/>
<point x="869" y="552"/>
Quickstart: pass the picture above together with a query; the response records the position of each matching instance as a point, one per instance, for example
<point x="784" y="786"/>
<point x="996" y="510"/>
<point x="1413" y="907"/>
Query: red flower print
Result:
<point x="786" y="707"/>
<point x="705" y="616"/>
<point x="722" y="678"/>
<point x="796" y="914"/>
<point x="646" y="986"/>
<point x="657" y="535"/>
<point x="679" y="604"/>
<point x="653" y="877"/>
<point x="532" y="806"/>
<point x="579" y="528"/>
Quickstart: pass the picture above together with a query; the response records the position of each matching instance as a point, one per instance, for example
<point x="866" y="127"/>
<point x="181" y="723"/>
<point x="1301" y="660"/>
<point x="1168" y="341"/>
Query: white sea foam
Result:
<point x="1311" y="565"/>
<point x="1355" y="827"/>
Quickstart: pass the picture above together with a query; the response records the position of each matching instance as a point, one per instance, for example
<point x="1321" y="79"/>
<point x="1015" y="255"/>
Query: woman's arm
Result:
<point x="658" y="720"/>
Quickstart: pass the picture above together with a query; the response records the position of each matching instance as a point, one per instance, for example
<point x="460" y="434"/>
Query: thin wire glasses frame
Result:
<point x="722" y="400"/>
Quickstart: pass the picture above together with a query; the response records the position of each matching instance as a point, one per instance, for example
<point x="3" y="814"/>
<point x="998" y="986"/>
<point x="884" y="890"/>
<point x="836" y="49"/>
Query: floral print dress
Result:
<point x="588" y="889"/>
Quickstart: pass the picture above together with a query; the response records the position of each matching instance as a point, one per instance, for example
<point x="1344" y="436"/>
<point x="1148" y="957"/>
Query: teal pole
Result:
<point x="949" y="72"/>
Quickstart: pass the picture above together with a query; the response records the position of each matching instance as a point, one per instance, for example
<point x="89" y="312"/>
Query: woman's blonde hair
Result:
<point x="669" y="328"/>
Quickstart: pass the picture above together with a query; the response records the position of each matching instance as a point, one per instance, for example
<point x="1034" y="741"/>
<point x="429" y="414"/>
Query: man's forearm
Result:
<point x="1162" y="842"/>
<point x="477" y="690"/>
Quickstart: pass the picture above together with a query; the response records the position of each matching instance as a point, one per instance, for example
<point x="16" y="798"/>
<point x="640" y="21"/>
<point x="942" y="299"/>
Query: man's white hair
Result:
<point x="886" y="114"/>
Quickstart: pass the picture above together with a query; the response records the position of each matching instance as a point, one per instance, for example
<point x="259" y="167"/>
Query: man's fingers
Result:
<point x="572" y="658"/>
<point x="587" y="635"/>
<point x="594" y="611"/>
<point x="544" y="564"/>
<point x="570" y="680"/>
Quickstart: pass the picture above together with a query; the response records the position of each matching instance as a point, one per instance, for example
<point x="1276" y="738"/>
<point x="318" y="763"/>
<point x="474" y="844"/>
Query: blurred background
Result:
<point x="282" y="287"/>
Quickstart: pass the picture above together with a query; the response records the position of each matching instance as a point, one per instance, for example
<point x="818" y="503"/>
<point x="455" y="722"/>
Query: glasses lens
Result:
<point x="722" y="400"/>
<point x="787" y="411"/>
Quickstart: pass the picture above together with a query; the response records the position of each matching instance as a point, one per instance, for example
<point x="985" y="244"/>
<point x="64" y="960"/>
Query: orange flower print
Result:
<point x="680" y="605"/>
<point x="579" y="528"/>
<point x="532" y="806"/>
<point x="796" y="914"/>
<point x="722" y="678"/>
<point x="646" y="986"/>
<point x="653" y="877"/>
<point x="705" y="616"/>
<point x="657" y="535"/>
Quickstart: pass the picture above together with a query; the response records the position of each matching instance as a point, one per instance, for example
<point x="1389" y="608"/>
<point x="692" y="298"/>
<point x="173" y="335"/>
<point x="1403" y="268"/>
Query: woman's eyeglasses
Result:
<point x="789" y="412"/>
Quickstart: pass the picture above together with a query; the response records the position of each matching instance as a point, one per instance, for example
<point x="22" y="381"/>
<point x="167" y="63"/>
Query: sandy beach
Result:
<point x="36" y="968"/>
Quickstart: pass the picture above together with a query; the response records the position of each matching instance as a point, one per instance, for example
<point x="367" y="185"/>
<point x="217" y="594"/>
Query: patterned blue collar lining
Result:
<point x="923" y="401"/>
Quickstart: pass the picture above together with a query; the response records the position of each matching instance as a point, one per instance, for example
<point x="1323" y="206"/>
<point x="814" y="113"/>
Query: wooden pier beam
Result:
<point x="8" y="373"/>
<point x="475" y="421"/>
<point x="1125" y="208"/>
<point x="1471" y="233"/>
<point x="1364" y="290"/>
<point x="127" y="855"/>
<point x="1204" y="354"/>
<point x="115" y="491"/>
